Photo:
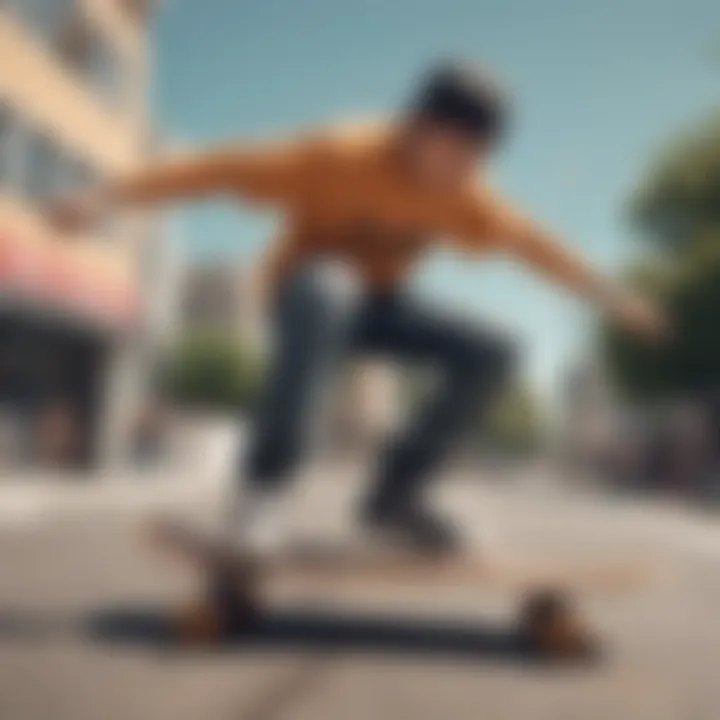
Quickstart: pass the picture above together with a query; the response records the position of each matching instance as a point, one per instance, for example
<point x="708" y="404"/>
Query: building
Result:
<point x="163" y="269"/>
<point x="220" y="298"/>
<point x="213" y="297"/>
<point x="73" y="90"/>
<point x="594" y="420"/>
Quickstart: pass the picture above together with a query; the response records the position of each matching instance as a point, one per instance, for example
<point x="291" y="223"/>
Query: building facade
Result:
<point x="216" y="297"/>
<point x="73" y="110"/>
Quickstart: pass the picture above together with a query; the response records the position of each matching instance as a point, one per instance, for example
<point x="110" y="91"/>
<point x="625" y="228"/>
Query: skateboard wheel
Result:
<point x="550" y="628"/>
<point x="215" y="620"/>
<point x="199" y="625"/>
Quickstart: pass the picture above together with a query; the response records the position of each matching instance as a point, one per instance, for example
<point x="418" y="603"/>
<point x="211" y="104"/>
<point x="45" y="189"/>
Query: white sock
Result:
<point x="258" y="521"/>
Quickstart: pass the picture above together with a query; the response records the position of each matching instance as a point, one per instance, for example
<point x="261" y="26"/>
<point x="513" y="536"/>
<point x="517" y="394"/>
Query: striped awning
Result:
<point x="67" y="277"/>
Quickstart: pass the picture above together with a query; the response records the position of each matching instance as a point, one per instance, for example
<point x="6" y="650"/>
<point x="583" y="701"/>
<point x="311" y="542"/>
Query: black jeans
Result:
<point x="322" y="316"/>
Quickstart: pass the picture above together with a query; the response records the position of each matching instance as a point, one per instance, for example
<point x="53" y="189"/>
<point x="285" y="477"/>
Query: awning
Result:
<point x="67" y="278"/>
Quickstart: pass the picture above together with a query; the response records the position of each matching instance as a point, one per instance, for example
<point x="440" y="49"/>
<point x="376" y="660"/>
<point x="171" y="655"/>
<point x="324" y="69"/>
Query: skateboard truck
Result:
<point x="549" y="628"/>
<point x="229" y="605"/>
<point x="229" y="600"/>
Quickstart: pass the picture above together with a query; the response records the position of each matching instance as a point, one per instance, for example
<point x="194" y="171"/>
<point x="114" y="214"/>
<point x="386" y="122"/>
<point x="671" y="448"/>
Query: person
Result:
<point x="360" y="207"/>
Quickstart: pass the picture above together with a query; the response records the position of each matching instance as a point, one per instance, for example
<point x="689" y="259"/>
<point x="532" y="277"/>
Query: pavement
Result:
<point x="83" y="604"/>
<point x="32" y="500"/>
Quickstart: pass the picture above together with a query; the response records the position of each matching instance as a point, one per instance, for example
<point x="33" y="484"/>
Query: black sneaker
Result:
<point x="412" y="528"/>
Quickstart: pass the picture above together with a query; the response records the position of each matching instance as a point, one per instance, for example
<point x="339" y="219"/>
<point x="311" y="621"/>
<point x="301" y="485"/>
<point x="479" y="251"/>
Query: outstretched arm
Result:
<point x="257" y="173"/>
<point x="271" y="174"/>
<point x="489" y="221"/>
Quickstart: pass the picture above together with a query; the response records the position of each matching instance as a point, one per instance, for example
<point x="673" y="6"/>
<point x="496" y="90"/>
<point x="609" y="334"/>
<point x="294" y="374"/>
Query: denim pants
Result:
<point x="323" y="316"/>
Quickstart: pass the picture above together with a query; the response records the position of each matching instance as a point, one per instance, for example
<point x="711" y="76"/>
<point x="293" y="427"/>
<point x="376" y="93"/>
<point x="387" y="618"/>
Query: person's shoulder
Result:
<point x="478" y="197"/>
<point x="355" y="138"/>
<point x="340" y="143"/>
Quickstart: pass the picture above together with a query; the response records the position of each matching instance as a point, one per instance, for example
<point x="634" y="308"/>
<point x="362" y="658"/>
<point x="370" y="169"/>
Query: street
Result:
<point x="83" y="603"/>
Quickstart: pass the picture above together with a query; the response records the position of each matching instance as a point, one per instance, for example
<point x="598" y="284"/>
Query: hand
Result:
<point x="639" y="316"/>
<point x="74" y="214"/>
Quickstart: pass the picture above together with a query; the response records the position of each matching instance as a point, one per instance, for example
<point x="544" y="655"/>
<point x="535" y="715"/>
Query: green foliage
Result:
<point x="516" y="424"/>
<point x="677" y="201"/>
<point x="689" y="363"/>
<point x="212" y="371"/>
<point x="677" y="209"/>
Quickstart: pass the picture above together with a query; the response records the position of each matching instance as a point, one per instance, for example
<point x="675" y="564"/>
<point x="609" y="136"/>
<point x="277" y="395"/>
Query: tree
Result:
<point x="516" y="423"/>
<point x="677" y="211"/>
<point x="212" y="370"/>
<point x="675" y="207"/>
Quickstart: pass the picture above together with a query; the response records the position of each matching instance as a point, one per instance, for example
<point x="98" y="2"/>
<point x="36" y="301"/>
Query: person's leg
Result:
<point x="473" y="364"/>
<point x="314" y="320"/>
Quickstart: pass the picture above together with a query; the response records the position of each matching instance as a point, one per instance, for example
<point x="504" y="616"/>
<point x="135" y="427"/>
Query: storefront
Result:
<point x="63" y="315"/>
<point x="74" y="80"/>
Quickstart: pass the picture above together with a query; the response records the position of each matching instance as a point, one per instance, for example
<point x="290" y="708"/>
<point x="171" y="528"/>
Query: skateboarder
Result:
<point x="359" y="208"/>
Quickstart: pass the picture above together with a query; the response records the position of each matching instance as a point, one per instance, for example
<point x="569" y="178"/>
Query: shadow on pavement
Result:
<point x="325" y="631"/>
<point x="289" y="630"/>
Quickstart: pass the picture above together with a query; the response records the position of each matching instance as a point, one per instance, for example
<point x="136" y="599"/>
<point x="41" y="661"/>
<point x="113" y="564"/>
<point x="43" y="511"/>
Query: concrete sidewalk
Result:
<point x="35" y="497"/>
<point x="80" y="603"/>
<point x="313" y="503"/>
<point x="200" y="457"/>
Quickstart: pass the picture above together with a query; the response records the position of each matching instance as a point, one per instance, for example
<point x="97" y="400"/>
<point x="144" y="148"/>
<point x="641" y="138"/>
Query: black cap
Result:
<point x="465" y="98"/>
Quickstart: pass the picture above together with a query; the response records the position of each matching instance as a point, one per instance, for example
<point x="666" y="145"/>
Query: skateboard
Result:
<point x="547" y="625"/>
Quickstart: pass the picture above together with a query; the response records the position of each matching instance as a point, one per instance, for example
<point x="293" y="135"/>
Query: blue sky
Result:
<point x="599" y="85"/>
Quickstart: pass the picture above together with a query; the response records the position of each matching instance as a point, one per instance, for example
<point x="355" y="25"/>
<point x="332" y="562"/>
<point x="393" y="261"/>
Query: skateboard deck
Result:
<point x="313" y="562"/>
<point x="547" y="623"/>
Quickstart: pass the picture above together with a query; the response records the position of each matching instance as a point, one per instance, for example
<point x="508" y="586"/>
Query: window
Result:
<point x="74" y="42"/>
<point x="35" y="165"/>
<point x="90" y="53"/>
<point x="8" y="146"/>
<point x="79" y="175"/>
<point x="104" y="69"/>
<point x="46" y="17"/>
<point x="50" y="169"/>
<point x="68" y="30"/>
<point x="42" y="166"/>
<point x="138" y="9"/>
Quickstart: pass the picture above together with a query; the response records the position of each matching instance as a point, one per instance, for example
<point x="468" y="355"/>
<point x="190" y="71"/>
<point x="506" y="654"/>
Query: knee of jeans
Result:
<point x="486" y="357"/>
<point x="330" y="282"/>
